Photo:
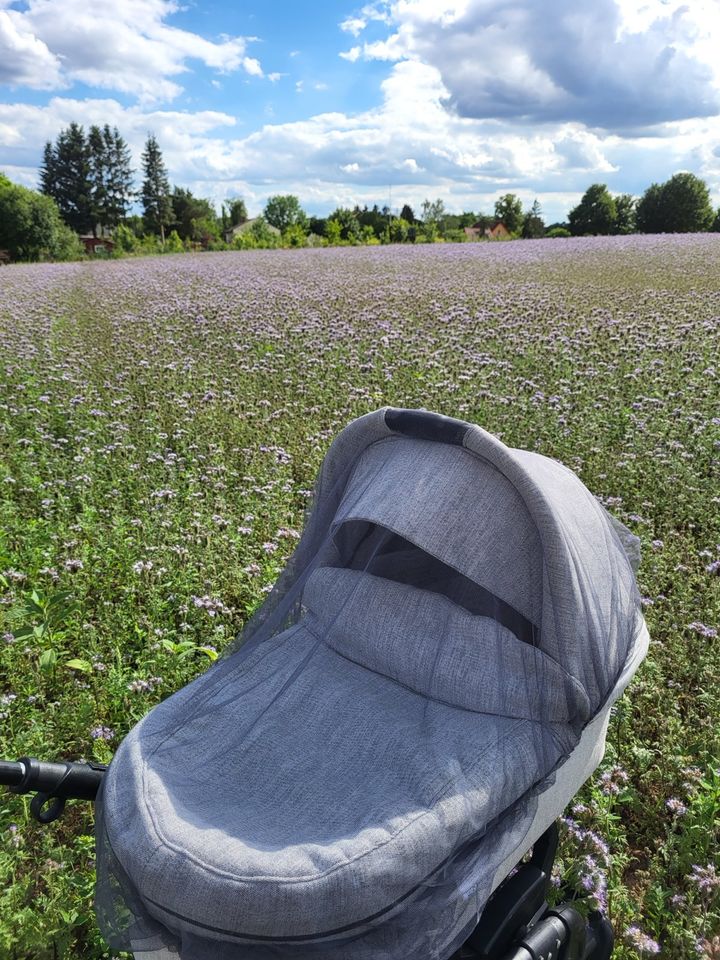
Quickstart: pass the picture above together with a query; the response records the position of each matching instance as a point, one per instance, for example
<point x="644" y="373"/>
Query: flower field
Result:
<point x="161" y="424"/>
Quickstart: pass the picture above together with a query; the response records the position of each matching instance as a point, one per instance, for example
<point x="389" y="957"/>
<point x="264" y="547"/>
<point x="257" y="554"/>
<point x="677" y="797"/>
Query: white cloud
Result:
<point x="24" y="59"/>
<point x="354" y="25"/>
<point x="353" y="54"/>
<point x="128" y="47"/>
<point x="252" y="66"/>
<point x="615" y="64"/>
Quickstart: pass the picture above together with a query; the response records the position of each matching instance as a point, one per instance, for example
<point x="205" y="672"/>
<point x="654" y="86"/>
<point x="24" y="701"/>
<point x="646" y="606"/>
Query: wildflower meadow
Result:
<point x="161" y="424"/>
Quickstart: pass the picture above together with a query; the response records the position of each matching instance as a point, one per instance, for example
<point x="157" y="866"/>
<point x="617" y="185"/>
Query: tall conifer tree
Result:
<point x="48" y="171"/>
<point x="119" y="184"/>
<point x="156" y="200"/>
<point x="73" y="183"/>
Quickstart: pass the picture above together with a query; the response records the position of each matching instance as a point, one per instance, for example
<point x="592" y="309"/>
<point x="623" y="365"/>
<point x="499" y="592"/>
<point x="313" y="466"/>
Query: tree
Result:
<point x="119" y="191"/>
<point x="317" y="225"/>
<point x="155" y="193"/>
<point x="333" y="231"/>
<point x="407" y="214"/>
<point x="349" y="223"/>
<point x="238" y="212"/>
<point x="716" y="222"/>
<point x="533" y="223"/>
<point x="432" y="215"/>
<point x="680" y="205"/>
<point x="595" y="214"/>
<point x="625" y="209"/>
<point x="433" y="211"/>
<point x="31" y="227"/>
<point x="398" y="230"/>
<point x="98" y="159"/>
<point x="65" y="176"/>
<point x="284" y="211"/>
<point x="48" y="171"/>
<point x="686" y="204"/>
<point x="509" y="210"/>
<point x="648" y="213"/>
<point x="374" y="218"/>
<point x="194" y="218"/>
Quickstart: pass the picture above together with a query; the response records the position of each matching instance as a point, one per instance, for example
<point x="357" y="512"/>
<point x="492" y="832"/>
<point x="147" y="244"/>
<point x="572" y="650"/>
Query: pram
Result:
<point x="426" y="687"/>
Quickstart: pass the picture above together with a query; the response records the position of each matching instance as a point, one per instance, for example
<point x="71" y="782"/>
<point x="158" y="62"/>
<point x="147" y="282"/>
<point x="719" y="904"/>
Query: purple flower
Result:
<point x="613" y="780"/>
<point x="641" y="941"/>
<point x="102" y="733"/>
<point x="212" y="605"/>
<point x="706" y="878"/>
<point x="145" y="686"/>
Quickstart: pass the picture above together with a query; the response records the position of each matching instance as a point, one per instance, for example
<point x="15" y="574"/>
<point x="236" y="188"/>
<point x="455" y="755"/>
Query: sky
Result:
<point x="386" y="102"/>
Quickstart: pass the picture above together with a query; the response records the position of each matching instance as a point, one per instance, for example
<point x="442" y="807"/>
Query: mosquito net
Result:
<point x="347" y="780"/>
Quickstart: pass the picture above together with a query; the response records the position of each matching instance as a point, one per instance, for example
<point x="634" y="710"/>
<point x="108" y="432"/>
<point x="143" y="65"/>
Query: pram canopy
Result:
<point x="455" y="616"/>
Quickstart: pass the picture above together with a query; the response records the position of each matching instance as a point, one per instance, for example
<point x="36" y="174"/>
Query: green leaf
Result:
<point x="48" y="660"/>
<point x="33" y="606"/>
<point x="83" y="665"/>
<point x="211" y="654"/>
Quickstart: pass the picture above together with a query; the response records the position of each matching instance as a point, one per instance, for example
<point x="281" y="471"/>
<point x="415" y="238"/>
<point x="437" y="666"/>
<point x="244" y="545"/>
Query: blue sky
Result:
<point x="402" y="99"/>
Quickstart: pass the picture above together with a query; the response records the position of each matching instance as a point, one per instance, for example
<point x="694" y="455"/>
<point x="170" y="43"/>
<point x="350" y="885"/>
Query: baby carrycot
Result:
<point x="427" y="685"/>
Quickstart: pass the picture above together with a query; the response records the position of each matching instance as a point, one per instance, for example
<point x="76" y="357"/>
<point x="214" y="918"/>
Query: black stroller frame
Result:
<point x="516" y="924"/>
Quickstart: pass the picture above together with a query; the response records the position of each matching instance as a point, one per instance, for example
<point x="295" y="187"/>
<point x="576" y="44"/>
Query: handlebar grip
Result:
<point x="66" y="780"/>
<point x="11" y="773"/>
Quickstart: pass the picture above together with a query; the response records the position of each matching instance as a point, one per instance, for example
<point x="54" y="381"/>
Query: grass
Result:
<point x="161" y="425"/>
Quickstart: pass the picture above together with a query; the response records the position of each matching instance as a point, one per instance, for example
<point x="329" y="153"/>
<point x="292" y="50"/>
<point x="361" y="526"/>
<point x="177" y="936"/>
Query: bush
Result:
<point x="149" y="244"/>
<point x="31" y="228"/>
<point x="557" y="232"/>
<point x="294" y="236"/>
<point x="67" y="245"/>
<point x="244" y="241"/>
<point x="173" y="243"/>
<point x="126" y="242"/>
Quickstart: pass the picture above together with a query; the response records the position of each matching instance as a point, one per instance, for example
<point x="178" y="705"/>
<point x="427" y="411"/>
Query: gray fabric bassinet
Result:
<point x="427" y="685"/>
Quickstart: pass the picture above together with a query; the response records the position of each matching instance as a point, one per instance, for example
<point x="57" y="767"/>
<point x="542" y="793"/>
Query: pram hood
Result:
<point x="455" y="614"/>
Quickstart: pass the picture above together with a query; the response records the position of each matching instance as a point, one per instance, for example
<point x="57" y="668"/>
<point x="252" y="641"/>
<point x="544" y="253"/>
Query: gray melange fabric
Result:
<point x="345" y="784"/>
<point x="352" y="790"/>
<point x="483" y="509"/>
<point x="463" y="660"/>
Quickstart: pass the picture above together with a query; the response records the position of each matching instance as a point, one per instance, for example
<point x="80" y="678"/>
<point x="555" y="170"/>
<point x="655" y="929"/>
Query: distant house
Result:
<point x="498" y="231"/>
<point x="244" y="227"/>
<point x="99" y="242"/>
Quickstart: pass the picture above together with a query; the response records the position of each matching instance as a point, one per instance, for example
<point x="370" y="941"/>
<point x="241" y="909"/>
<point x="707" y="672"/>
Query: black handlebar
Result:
<point x="52" y="782"/>
<point x="11" y="774"/>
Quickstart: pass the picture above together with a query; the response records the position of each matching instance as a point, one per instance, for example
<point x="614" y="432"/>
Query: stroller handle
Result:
<point x="55" y="782"/>
<point x="11" y="774"/>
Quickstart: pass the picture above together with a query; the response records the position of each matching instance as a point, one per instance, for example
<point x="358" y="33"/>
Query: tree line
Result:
<point x="680" y="205"/>
<point x="87" y="187"/>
